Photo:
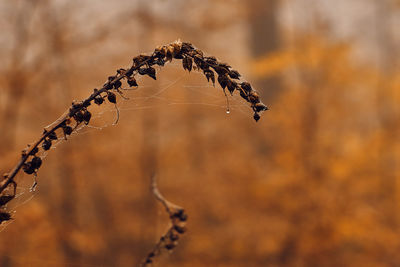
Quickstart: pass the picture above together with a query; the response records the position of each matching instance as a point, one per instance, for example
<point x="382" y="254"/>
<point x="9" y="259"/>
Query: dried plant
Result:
<point x="78" y="114"/>
<point x="169" y="239"/>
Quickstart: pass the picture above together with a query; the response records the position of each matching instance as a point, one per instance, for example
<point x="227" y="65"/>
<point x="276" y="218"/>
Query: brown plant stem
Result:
<point x="192" y="58"/>
<point x="9" y="177"/>
<point x="169" y="239"/>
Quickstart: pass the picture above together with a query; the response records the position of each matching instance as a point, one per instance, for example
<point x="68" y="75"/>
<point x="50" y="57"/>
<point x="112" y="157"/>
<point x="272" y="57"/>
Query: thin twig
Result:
<point x="78" y="113"/>
<point x="169" y="239"/>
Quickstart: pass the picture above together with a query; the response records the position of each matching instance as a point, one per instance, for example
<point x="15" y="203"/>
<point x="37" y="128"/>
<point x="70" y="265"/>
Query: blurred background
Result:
<point x="314" y="183"/>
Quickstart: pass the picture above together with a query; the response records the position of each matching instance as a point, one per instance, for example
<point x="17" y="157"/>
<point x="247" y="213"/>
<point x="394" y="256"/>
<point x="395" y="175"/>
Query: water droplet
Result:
<point x="228" y="111"/>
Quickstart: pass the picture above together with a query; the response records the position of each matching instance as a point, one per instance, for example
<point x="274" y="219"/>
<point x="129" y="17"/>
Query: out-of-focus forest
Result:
<point x="314" y="183"/>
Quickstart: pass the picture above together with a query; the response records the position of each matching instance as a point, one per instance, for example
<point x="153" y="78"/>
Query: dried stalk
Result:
<point x="169" y="239"/>
<point x="78" y="113"/>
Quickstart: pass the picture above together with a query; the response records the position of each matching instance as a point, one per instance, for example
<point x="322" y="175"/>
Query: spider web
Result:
<point x="173" y="88"/>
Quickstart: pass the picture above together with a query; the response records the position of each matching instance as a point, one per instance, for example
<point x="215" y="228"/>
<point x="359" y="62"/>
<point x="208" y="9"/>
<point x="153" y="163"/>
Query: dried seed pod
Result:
<point x="178" y="55"/>
<point x="169" y="53"/>
<point x="36" y="163"/>
<point x="108" y="86"/>
<point x="160" y="62"/>
<point x="173" y="237"/>
<point x="223" y="80"/>
<point x="151" y="255"/>
<point x="199" y="53"/>
<point x="112" y="97"/>
<point x="162" y="50"/>
<point x="46" y="144"/>
<point x="187" y="63"/>
<point x="234" y="74"/>
<point x="78" y="116"/>
<point x="254" y="97"/>
<point x="179" y="229"/>
<point x="186" y="47"/>
<point x="5" y="199"/>
<point x="86" y="116"/>
<point x="177" y="50"/>
<point x="86" y="103"/>
<point x="121" y="71"/>
<point x="210" y="75"/>
<point x="142" y="71"/>
<point x="67" y="130"/>
<point x="132" y="81"/>
<point x="28" y="168"/>
<point x="151" y="72"/>
<point x="258" y="107"/>
<point x="129" y="72"/>
<point x="170" y="246"/>
<point x="225" y="65"/>
<point x="244" y="95"/>
<point x="211" y="60"/>
<point x="141" y="59"/>
<point x="117" y="85"/>
<point x="98" y="100"/>
<point x="76" y="105"/>
<point x="183" y="217"/>
<point x="246" y="87"/>
<point x="4" y="216"/>
<point x="220" y="70"/>
<point x="199" y="63"/>
<point x="180" y="214"/>
<point x="232" y="85"/>
<point x="52" y="136"/>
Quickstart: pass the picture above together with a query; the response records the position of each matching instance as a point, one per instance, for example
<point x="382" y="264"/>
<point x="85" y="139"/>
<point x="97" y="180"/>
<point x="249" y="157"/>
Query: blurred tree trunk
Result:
<point x="264" y="39"/>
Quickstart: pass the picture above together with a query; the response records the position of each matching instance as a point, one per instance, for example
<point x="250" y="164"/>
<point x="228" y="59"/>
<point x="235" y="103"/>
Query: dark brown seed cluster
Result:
<point x="192" y="59"/>
<point x="4" y="199"/>
<point x="169" y="240"/>
<point x="4" y="216"/>
<point x="227" y="77"/>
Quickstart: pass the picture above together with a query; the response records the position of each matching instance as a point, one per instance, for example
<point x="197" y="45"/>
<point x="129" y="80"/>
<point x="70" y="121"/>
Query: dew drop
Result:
<point x="228" y="111"/>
